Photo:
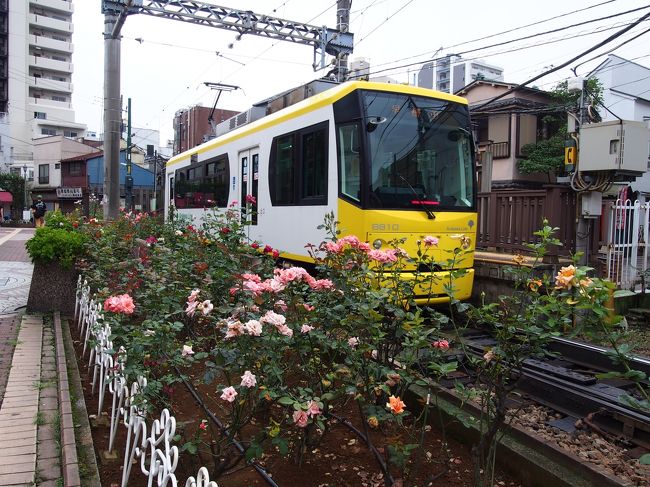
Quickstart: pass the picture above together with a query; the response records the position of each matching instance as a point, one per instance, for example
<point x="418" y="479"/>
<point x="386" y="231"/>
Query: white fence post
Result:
<point x="152" y="446"/>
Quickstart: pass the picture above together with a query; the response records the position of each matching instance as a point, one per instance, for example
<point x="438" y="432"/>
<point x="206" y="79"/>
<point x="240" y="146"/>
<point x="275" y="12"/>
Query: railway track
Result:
<point x="568" y="383"/>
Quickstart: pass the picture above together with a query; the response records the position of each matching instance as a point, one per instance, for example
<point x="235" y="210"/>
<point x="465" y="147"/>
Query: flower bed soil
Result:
<point x="341" y="459"/>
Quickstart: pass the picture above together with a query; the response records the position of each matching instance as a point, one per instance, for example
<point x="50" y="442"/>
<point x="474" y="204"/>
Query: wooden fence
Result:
<point x="507" y="219"/>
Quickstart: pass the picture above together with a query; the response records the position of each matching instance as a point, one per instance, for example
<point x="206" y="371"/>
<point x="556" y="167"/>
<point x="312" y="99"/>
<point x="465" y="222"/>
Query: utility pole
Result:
<point x="343" y="26"/>
<point x="112" y="111"/>
<point x="128" y="181"/>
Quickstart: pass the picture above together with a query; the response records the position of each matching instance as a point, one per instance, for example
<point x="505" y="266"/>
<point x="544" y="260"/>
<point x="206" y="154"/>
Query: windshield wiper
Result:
<point x="418" y="199"/>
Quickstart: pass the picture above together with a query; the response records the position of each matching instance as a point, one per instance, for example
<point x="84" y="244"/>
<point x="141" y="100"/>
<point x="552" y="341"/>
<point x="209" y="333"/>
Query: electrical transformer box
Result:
<point x="620" y="146"/>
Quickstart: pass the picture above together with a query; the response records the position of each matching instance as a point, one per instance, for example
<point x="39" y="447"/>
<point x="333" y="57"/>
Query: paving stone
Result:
<point x="19" y="450"/>
<point x="16" y="468"/>
<point x="17" y="478"/>
<point x="47" y="449"/>
<point x="18" y="443"/>
<point x="49" y="469"/>
<point x="45" y="434"/>
<point x="17" y="435"/>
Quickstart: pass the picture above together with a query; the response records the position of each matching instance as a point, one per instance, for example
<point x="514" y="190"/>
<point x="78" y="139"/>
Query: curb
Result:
<point x="69" y="460"/>
<point x="89" y="471"/>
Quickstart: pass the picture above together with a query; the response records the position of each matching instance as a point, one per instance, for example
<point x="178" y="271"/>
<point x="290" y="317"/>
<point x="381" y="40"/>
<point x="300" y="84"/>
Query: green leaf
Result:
<point x="645" y="459"/>
<point x="190" y="447"/>
<point x="255" y="451"/>
<point x="328" y="396"/>
<point x="621" y="293"/>
<point x="281" y="444"/>
<point x="286" y="401"/>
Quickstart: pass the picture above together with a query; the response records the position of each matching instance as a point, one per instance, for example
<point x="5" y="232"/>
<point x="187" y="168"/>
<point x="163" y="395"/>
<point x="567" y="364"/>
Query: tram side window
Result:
<point x="349" y="157"/>
<point x="215" y="181"/>
<point x="314" y="166"/>
<point x="203" y="185"/>
<point x="281" y="170"/>
<point x="298" y="167"/>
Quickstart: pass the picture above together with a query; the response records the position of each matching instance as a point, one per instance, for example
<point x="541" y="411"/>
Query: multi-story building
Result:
<point x="37" y="42"/>
<point x="193" y="127"/>
<point x="451" y="73"/>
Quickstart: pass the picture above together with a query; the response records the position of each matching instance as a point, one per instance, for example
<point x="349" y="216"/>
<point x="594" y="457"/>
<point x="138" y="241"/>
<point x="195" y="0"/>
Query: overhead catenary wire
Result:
<point x="575" y="68"/>
<point x="385" y="20"/>
<point x="510" y="41"/>
<point x="497" y="34"/>
<point x="515" y="49"/>
<point x="566" y="63"/>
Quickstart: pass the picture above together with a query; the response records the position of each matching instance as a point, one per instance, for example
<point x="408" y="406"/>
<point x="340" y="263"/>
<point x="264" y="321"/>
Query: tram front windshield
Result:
<point x="419" y="152"/>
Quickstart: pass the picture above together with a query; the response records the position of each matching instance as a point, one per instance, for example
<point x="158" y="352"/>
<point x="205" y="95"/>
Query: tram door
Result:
<point x="249" y="170"/>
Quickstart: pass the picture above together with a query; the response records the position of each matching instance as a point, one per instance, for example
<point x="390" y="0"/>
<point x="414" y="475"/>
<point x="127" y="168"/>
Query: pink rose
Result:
<point x="229" y="394"/>
<point x="273" y="318"/>
<point x="253" y="328"/>
<point x="191" y="308"/>
<point x="313" y="409"/>
<point x="300" y="418"/>
<point x="248" y="379"/>
<point x="429" y="241"/>
<point x="306" y="328"/>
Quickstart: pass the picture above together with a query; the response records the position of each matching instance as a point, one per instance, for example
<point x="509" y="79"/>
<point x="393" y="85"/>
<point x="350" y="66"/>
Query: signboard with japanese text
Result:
<point x="68" y="193"/>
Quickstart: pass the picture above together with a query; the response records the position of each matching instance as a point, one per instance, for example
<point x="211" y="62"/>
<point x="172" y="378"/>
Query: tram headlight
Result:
<point x="377" y="244"/>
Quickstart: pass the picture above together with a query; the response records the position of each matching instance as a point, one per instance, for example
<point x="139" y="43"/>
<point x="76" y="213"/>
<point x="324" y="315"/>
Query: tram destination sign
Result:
<point x="68" y="193"/>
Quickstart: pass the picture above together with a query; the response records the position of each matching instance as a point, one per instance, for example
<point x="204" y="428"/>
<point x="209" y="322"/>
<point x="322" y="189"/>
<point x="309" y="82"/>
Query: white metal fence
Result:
<point x="627" y="244"/>
<point x="148" y="444"/>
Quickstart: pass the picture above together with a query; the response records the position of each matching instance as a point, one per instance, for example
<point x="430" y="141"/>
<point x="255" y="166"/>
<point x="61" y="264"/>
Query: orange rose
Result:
<point x="565" y="278"/>
<point x="396" y="405"/>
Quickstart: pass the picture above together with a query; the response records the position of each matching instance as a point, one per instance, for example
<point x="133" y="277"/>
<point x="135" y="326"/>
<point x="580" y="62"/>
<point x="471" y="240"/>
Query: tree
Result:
<point x="547" y="154"/>
<point x="14" y="184"/>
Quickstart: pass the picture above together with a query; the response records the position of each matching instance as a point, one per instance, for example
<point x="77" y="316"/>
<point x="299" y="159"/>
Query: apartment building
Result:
<point x="35" y="77"/>
<point x="451" y="73"/>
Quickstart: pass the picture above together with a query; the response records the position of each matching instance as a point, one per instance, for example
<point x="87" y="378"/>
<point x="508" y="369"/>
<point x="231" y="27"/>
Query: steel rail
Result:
<point x="578" y="394"/>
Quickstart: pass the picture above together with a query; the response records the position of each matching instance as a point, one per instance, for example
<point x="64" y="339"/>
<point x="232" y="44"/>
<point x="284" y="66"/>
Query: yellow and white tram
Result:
<point x="390" y="161"/>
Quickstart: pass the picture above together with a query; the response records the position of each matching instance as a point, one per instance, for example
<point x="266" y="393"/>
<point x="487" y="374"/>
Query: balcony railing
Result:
<point x="50" y="23"/>
<point x="50" y="84"/>
<point x="50" y="64"/>
<point x="501" y="150"/>
<point x="48" y="43"/>
<point x="48" y="103"/>
<point x="64" y="6"/>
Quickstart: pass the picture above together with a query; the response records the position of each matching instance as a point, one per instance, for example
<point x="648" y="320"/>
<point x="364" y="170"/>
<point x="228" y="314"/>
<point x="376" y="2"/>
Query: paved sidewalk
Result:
<point x="15" y="269"/>
<point x="19" y="413"/>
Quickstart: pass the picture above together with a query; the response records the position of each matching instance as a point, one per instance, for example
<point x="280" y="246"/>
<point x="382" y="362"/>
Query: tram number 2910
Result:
<point x="385" y="227"/>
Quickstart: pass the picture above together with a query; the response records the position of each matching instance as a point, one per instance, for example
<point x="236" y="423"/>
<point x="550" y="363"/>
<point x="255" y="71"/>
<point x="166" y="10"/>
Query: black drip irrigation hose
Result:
<point x="260" y="470"/>
<point x="360" y="434"/>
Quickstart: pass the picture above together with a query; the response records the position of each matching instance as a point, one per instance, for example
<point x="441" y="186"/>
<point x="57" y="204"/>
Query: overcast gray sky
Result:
<point x="166" y="62"/>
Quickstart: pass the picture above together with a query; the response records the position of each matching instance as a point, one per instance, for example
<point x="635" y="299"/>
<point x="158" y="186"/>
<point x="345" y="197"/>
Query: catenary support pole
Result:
<point x="343" y="25"/>
<point x="112" y="118"/>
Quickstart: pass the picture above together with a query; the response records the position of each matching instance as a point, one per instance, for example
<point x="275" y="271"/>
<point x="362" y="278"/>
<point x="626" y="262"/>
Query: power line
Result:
<point x="505" y="51"/>
<point x="575" y="68"/>
<point x="512" y="40"/>
<point x="575" y="58"/>
<point x="386" y="20"/>
<point x="499" y="33"/>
